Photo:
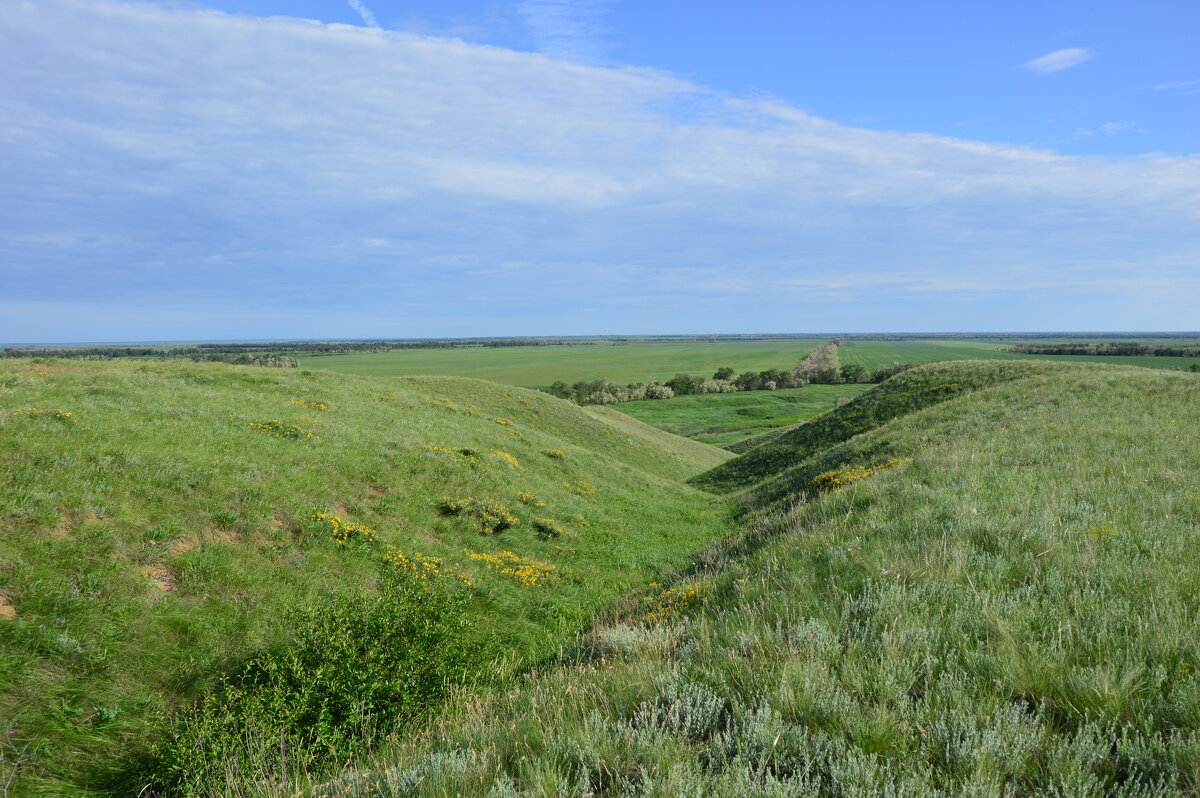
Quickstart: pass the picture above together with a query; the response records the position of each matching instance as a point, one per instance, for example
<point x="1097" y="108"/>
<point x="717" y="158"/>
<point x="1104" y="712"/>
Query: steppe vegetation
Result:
<point x="975" y="578"/>
<point x="1002" y="602"/>
<point x="201" y="564"/>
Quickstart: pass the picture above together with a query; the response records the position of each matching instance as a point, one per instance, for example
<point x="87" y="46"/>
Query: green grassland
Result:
<point x="538" y="366"/>
<point x="724" y="418"/>
<point x="977" y="578"/>
<point x="154" y="539"/>
<point x="993" y="594"/>
<point x="870" y="354"/>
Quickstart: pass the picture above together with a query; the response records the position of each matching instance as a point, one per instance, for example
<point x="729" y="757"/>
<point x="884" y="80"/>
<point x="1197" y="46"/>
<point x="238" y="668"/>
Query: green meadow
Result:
<point x="724" y="418"/>
<point x="165" y="534"/>
<point x="987" y="591"/>
<point x="976" y="578"/>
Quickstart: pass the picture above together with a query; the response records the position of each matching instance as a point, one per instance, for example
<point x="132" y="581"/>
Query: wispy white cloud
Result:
<point x="1059" y="60"/>
<point x="1176" y="87"/>
<point x="1121" y="127"/>
<point x="571" y="29"/>
<point x="275" y="177"/>
<point x="367" y="16"/>
<point x="1182" y="84"/>
<point x="1112" y="128"/>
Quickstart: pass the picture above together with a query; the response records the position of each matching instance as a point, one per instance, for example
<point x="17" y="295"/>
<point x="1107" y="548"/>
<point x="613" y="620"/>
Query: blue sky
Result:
<point x="323" y="168"/>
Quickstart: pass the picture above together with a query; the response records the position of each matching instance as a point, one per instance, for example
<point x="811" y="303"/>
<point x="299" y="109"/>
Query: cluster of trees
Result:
<point x="91" y="352"/>
<point x="268" y="359"/>
<point x="724" y="380"/>
<point x="1114" y="349"/>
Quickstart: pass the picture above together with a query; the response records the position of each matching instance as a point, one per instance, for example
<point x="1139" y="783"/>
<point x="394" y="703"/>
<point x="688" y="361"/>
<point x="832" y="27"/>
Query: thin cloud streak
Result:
<point x="1059" y="60"/>
<point x="367" y="16"/>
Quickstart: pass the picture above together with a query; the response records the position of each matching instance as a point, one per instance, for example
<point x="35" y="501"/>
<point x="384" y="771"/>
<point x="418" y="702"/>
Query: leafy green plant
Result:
<point x="358" y="664"/>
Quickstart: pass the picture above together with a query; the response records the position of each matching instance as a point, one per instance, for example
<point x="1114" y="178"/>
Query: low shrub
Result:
<point x="357" y="664"/>
<point x="492" y="517"/>
<point x="547" y="528"/>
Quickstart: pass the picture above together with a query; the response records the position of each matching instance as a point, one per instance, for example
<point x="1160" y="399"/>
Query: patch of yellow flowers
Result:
<point x="530" y="573"/>
<point x="417" y="564"/>
<point x="555" y="454"/>
<point x="841" y="477"/>
<point x="344" y="531"/>
<point x="61" y="415"/>
<point x="313" y="405"/>
<point x="421" y="566"/>
<point x="671" y="599"/>
<point x="505" y="456"/>
<point x="528" y="498"/>
<point x="281" y="430"/>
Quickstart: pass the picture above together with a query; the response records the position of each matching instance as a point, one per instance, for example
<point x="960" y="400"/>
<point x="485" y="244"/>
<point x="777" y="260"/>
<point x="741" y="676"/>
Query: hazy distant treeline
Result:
<point x="1113" y="349"/>
<point x="209" y="351"/>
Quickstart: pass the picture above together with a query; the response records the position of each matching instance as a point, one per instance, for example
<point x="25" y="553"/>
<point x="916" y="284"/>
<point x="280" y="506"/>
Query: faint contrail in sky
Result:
<point x="364" y="12"/>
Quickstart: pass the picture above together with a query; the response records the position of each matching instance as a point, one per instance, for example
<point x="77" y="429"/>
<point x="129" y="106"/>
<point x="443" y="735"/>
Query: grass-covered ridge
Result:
<point x="1009" y="609"/>
<point x="157" y="536"/>
<point x="905" y="393"/>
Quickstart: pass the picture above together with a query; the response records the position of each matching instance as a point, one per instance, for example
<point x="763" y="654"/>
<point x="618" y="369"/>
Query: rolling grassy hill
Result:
<point x="901" y="395"/>
<point x="982" y="590"/>
<point x="161" y="522"/>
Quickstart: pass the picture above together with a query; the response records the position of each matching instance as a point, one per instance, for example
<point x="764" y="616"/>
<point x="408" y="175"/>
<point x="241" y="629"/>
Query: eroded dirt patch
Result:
<point x="7" y="610"/>
<point x="160" y="575"/>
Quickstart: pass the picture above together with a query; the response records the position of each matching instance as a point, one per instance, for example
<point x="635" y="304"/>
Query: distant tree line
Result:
<point x="266" y="359"/>
<point x="273" y="347"/>
<point x="1109" y="349"/>
<point x="723" y="380"/>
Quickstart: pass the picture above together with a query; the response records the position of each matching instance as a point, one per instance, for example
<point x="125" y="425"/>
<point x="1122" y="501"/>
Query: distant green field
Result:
<point x="723" y="418"/>
<point x="538" y="366"/>
<point x="870" y="354"/>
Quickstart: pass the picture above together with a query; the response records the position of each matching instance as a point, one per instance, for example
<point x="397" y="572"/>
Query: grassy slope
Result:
<point x="900" y="395"/>
<point x="724" y="418"/>
<point x="155" y="538"/>
<point x="1013" y="612"/>
<point x="542" y="365"/>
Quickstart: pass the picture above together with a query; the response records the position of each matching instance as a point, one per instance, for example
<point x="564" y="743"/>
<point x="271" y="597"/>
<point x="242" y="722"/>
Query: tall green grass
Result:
<point x="905" y="393"/>
<point x="154" y="542"/>
<point x="1009" y="610"/>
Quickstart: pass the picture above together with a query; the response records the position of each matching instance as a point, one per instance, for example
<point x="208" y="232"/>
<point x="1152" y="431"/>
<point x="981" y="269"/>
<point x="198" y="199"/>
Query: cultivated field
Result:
<point x="538" y="366"/>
